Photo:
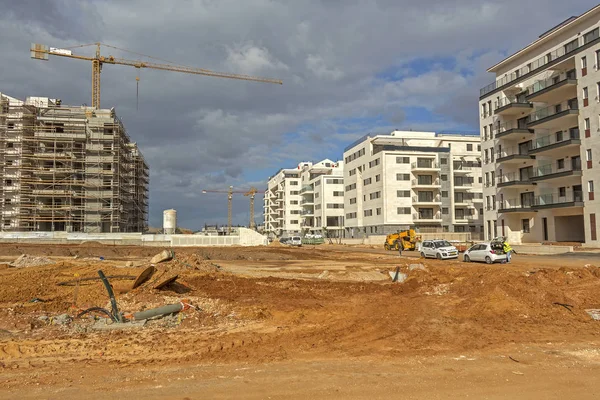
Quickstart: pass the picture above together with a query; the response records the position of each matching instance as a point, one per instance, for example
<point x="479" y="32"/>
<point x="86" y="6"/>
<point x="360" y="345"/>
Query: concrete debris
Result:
<point x="421" y="267"/>
<point x="439" y="290"/>
<point x="44" y="318"/>
<point x="594" y="313"/>
<point x="108" y="325"/>
<point x="324" y="275"/>
<point x="163" y="256"/>
<point x="62" y="319"/>
<point x="398" y="277"/>
<point x="25" y="261"/>
<point x="129" y="264"/>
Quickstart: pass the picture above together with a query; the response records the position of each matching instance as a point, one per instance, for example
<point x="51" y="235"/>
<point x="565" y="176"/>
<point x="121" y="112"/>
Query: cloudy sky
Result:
<point x="349" y="68"/>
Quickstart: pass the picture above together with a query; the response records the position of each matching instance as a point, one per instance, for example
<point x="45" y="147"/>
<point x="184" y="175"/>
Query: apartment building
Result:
<point x="540" y="135"/>
<point x="306" y="199"/>
<point x="70" y="169"/>
<point x="427" y="180"/>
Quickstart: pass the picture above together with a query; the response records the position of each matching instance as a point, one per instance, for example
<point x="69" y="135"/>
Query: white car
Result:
<point x="485" y="252"/>
<point x="295" y="241"/>
<point x="440" y="249"/>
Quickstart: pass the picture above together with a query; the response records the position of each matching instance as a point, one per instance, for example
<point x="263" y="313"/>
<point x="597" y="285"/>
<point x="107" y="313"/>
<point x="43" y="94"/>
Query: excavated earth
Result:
<point x="281" y="322"/>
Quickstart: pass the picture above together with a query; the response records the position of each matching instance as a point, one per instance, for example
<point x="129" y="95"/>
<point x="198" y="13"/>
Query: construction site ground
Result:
<point x="314" y="322"/>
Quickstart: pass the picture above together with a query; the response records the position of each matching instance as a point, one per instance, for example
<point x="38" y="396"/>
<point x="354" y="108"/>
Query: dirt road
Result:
<point x="325" y="322"/>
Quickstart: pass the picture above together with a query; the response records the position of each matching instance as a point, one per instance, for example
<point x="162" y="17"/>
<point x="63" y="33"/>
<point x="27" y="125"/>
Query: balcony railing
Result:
<point x="306" y="188"/>
<point x="512" y="151"/>
<point x="546" y="83"/>
<point x="550" y="169"/>
<point x="552" y="110"/>
<point x="427" y="216"/>
<point x="425" y="164"/>
<point x="513" y="177"/>
<point x="556" y="138"/>
<point x="427" y="199"/>
<point x="512" y="204"/>
<point x="535" y="65"/>
<point x="573" y="196"/>
<point x="508" y="126"/>
<point x="463" y="183"/>
<point x="505" y="101"/>
<point x="417" y="182"/>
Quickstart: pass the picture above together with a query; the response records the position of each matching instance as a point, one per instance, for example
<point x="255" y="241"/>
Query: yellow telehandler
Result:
<point x="407" y="239"/>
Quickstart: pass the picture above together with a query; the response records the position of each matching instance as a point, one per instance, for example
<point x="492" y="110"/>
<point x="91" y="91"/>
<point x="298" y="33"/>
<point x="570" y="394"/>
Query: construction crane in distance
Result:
<point x="250" y="192"/>
<point x="41" y="52"/>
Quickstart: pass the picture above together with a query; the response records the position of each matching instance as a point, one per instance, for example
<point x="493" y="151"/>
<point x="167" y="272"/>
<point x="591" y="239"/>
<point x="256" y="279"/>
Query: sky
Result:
<point x="348" y="68"/>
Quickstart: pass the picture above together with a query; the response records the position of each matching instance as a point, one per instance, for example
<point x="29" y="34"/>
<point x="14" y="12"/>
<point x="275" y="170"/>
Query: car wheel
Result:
<point x="386" y="246"/>
<point x="438" y="256"/>
<point x="466" y="258"/>
<point x="423" y="255"/>
<point x="488" y="259"/>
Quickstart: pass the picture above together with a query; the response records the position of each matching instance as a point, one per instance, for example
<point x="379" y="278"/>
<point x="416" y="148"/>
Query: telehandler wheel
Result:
<point x="386" y="246"/>
<point x="396" y="246"/>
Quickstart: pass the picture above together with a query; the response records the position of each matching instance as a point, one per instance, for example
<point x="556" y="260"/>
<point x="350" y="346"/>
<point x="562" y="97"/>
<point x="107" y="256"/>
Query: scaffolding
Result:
<point x="70" y="169"/>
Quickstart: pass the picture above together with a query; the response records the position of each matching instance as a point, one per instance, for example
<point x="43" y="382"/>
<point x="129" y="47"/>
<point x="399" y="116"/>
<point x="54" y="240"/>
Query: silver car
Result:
<point x="484" y="252"/>
<point x="437" y="248"/>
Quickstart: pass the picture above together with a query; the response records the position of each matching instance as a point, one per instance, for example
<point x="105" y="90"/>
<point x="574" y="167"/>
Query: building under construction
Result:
<point x="70" y="169"/>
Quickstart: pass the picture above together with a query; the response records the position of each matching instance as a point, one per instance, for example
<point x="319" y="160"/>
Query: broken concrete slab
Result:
<point x="594" y="313"/>
<point x="413" y="267"/>
<point x="25" y="261"/>
<point x="163" y="256"/>
<point x="62" y="319"/>
<point x="398" y="277"/>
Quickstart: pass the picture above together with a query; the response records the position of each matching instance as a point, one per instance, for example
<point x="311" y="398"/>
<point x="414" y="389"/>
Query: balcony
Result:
<point x="307" y="189"/>
<point x="557" y="144"/>
<point x="424" y="183"/>
<point x="427" y="218"/>
<point x="465" y="219"/>
<point x="425" y="165"/>
<point x="513" y="155"/>
<point x="512" y="105"/>
<point x="307" y="202"/>
<point x="524" y="205"/>
<point x="462" y="169"/>
<point x="462" y="185"/>
<point x="553" y="89"/>
<point x="427" y="200"/>
<point x="512" y="130"/>
<point x="464" y="202"/>
<point x="573" y="198"/>
<point x="557" y="115"/>
<point x="514" y="180"/>
<point x="307" y="213"/>
<point x="563" y="53"/>
<point x="553" y="172"/>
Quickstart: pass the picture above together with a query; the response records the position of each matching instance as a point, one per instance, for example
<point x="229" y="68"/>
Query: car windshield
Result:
<point x="442" y="243"/>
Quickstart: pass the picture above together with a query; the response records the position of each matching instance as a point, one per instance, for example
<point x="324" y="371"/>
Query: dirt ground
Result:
<point x="280" y="322"/>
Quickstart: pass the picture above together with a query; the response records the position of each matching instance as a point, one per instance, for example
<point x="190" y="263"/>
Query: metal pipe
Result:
<point x="155" y="312"/>
<point x="115" y="310"/>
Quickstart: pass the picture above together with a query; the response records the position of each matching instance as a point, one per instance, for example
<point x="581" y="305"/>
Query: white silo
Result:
<point x="169" y="221"/>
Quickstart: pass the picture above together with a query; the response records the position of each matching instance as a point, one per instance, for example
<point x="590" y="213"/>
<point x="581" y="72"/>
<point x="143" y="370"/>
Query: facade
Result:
<point x="431" y="181"/>
<point x="306" y="199"/>
<point x="70" y="169"/>
<point x="540" y="132"/>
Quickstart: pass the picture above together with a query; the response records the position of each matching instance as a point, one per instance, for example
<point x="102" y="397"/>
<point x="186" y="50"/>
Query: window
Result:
<point x="335" y="181"/>
<point x="350" y="187"/>
<point x="485" y="156"/>
<point x="403" y="210"/>
<point x="493" y="202"/>
<point x="373" y="163"/>
<point x="367" y="181"/>
<point x="294" y="192"/>
<point x="583" y="62"/>
<point x="317" y="183"/>
<point x="586" y="123"/>
<point x="443" y="161"/>
<point x="585" y="92"/>
<point x="487" y="179"/>
<point x="368" y="213"/>
<point x="335" y="205"/>
<point x="374" y="195"/>
<point x="588" y="155"/>
<point x="444" y="178"/>
<point x="525" y="225"/>
<point x="403" y="193"/>
<point x="444" y="193"/>
<point x="294" y="222"/>
<point x="317" y="195"/>
<point x="591" y="35"/>
<point x="469" y="147"/>
<point x="480" y="179"/>
<point x="377" y="178"/>
<point x="493" y="176"/>
<point x="294" y="202"/>
<point x="483" y="110"/>
<point x="352" y="172"/>
<point x="402" y="160"/>
<point x="402" y="177"/>
<point x="8" y="182"/>
<point x="338" y="194"/>
<point x="478" y="148"/>
<point x="598" y="91"/>
<point x="597" y="59"/>
<point x="560" y="164"/>
<point x="378" y="211"/>
<point x="485" y="135"/>
<point x="562" y="191"/>
<point x="445" y="211"/>
<point x="591" y="186"/>
<point x="295" y="212"/>
<point x="353" y="200"/>
<point x="294" y="183"/>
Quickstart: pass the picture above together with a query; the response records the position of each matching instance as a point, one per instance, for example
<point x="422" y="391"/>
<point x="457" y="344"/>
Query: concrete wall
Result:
<point x="245" y="237"/>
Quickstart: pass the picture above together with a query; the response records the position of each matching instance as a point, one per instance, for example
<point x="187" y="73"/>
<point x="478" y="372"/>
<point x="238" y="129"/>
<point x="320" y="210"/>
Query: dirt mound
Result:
<point x="25" y="261"/>
<point x="275" y="243"/>
<point x="90" y="243"/>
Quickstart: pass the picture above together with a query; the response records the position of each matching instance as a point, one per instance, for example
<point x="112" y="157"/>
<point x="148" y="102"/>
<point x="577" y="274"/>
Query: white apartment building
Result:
<point x="431" y="181"/>
<point x="306" y="199"/>
<point x="540" y="132"/>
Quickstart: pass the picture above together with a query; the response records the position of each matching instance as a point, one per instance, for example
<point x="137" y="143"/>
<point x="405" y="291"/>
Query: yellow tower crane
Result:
<point x="250" y="192"/>
<point x="41" y="52"/>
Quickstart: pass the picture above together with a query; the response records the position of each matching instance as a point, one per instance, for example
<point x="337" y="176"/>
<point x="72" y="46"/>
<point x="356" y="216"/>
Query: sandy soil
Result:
<point x="280" y="322"/>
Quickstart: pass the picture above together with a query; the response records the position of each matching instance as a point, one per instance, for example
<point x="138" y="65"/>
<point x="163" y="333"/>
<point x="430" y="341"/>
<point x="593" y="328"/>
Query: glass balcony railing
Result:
<point x="549" y="140"/>
<point x="418" y="182"/>
<point x="512" y="151"/>
<point x="513" y="177"/>
<point x="549" y="169"/>
<point x="426" y="216"/>
<point x="573" y="196"/>
<point x="552" y="110"/>
<point x="546" y="83"/>
<point x="421" y="164"/>
<point x="535" y="65"/>
<point x="505" y="101"/>
<point x="426" y="199"/>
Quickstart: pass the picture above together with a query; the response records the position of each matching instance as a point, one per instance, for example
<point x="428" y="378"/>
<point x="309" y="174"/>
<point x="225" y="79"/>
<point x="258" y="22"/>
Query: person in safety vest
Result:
<point x="507" y="249"/>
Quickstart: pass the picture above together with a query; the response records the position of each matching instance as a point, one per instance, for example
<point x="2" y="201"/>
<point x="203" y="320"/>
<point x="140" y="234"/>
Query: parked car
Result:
<point x="295" y="241"/>
<point x="284" y="240"/>
<point x="485" y="252"/>
<point x="437" y="248"/>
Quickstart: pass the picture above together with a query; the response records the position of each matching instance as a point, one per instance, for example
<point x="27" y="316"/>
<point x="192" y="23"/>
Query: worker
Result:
<point x="507" y="249"/>
<point x="399" y="243"/>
